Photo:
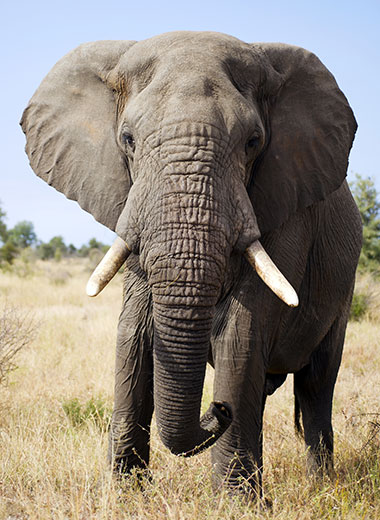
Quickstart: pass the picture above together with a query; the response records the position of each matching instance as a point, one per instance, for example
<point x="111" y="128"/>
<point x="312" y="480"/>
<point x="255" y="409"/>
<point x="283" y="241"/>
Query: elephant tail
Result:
<point x="297" y="416"/>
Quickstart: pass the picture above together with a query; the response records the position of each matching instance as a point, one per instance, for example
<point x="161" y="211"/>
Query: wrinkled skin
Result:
<point x="192" y="146"/>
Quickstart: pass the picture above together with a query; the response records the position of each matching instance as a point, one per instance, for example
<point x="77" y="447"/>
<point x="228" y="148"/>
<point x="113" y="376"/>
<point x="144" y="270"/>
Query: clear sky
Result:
<point x="35" y="34"/>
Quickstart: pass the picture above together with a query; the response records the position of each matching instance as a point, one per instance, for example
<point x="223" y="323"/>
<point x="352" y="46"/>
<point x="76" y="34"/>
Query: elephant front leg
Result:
<point x="237" y="456"/>
<point x="133" y="406"/>
<point x="239" y="381"/>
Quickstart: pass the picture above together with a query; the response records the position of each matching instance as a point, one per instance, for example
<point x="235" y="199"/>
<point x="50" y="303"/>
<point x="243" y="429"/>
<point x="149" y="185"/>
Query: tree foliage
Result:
<point x="8" y="250"/>
<point x="366" y="197"/>
<point x="55" y="248"/>
<point x="92" y="245"/>
<point x="14" y="240"/>
<point x="23" y="234"/>
<point x="3" y="227"/>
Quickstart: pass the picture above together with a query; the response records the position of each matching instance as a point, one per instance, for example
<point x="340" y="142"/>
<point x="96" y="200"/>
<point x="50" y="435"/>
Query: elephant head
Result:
<point x="189" y="145"/>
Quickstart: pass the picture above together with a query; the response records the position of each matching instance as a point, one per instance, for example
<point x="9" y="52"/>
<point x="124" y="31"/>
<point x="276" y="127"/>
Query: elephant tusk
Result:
<point x="270" y="274"/>
<point x="108" y="267"/>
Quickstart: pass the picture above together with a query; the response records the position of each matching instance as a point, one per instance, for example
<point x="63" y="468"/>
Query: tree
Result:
<point x="366" y="197"/>
<point x="23" y="234"/>
<point x="14" y="240"/>
<point x="3" y="227"/>
<point x="45" y="251"/>
<point x="71" y="250"/>
<point x="55" y="248"/>
<point x="94" y="244"/>
<point x="85" y="250"/>
<point x="8" y="251"/>
<point x="58" y="243"/>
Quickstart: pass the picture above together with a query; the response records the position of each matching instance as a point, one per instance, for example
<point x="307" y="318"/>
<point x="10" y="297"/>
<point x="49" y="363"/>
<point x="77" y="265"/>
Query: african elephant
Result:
<point x="193" y="146"/>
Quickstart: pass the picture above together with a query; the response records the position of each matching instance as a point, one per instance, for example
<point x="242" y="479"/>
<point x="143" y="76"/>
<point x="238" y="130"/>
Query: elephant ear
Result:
<point x="311" y="130"/>
<point x="70" y="126"/>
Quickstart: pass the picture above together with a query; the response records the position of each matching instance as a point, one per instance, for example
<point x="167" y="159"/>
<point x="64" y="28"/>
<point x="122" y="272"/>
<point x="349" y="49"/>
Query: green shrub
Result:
<point x="95" y="411"/>
<point x="359" y="306"/>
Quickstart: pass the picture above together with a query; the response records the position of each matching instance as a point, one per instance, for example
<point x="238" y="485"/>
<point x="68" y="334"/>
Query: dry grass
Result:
<point x="54" y="412"/>
<point x="17" y="330"/>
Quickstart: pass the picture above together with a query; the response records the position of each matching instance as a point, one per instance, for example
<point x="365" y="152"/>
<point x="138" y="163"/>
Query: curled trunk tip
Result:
<point x="212" y="425"/>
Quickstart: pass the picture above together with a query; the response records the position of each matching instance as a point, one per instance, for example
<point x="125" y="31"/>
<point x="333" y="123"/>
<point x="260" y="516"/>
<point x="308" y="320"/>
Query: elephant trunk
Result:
<point x="185" y="271"/>
<point x="181" y="344"/>
<point x="185" y="250"/>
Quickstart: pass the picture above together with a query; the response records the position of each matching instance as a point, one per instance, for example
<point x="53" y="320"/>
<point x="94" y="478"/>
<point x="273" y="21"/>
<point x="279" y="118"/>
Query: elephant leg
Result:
<point x="133" y="405"/>
<point x="313" y="389"/>
<point x="237" y="456"/>
<point x="240" y="381"/>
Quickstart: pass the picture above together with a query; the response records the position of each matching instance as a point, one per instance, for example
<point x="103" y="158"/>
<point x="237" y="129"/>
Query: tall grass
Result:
<point x="55" y="410"/>
<point x="16" y="332"/>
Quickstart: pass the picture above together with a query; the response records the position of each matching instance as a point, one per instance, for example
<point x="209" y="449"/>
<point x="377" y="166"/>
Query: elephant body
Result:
<point x="306" y="341"/>
<point x="194" y="146"/>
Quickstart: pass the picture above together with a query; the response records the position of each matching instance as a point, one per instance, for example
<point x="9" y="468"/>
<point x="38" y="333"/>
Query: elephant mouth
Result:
<point x="255" y="254"/>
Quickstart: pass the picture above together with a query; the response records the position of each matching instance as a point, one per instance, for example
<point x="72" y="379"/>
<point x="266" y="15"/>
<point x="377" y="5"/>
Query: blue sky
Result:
<point x="36" y="34"/>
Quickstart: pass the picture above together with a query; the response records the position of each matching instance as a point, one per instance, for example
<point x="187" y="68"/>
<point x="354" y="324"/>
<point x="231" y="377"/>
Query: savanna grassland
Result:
<point x="55" y="409"/>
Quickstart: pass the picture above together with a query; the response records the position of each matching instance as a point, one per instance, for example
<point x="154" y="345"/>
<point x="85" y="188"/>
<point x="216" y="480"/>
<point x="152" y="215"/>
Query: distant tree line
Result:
<point x="22" y="236"/>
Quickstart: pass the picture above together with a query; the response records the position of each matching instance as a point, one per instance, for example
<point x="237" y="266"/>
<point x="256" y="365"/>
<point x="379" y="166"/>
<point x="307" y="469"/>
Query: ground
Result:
<point x="55" y="409"/>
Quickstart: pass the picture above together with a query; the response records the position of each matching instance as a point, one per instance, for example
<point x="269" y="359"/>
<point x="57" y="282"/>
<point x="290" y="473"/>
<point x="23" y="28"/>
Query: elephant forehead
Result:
<point x="189" y="40"/>
<point x="180" y="52"/>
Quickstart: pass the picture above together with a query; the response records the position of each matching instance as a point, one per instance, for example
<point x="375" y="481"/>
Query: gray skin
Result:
<point x="192" y="146"/>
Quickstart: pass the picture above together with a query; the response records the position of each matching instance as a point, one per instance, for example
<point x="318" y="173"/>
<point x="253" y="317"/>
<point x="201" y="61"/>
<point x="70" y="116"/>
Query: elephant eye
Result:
<point x="253" y="142"/>
<point x="253" y="145"/>
<point x="127" y="140"/>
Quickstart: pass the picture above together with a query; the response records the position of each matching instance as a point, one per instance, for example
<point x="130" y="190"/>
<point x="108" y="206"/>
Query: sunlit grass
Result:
<point x="54" y="413"/>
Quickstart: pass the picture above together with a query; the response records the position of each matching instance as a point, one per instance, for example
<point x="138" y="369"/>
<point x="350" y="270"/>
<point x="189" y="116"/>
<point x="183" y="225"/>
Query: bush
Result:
<point x="8" y="252"/>
<point x="17" y="330"/>
<point x="94" y="410"/>
<point x="366" y="299"/>
<point x="24" y="265"/>
<point x="359" y="306"/>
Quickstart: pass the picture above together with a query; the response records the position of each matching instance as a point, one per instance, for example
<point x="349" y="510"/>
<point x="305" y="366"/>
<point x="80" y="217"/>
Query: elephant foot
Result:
<point x="122" y="472"/>
<point x="126" y="456"/>
<point x="247" y="492"/>
<point x="135" y="481"/>
<point x="320" y="465"/>
<point x="237" y="480"/>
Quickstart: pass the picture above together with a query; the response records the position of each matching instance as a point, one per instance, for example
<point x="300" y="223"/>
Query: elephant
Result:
<point x="209" y="156"/>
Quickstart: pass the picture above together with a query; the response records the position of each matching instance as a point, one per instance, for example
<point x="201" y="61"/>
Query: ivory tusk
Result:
<point x="108" y="267"/>
<point x="270" y="274"/>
